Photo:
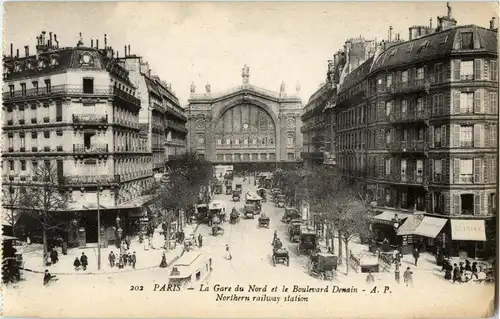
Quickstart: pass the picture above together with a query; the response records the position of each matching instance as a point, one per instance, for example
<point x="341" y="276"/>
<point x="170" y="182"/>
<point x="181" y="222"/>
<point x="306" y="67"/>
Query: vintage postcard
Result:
<point x="249" y="160"/>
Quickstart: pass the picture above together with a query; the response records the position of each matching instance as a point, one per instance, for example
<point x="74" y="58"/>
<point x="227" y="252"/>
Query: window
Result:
<point x="245" y="141"/>
<point x="466" y="102"/>
<point x="11" y="165"/>
<point x="420" y="134"/>
<point x="11" y="141"/>
<point x="201" y="140"/>
<point x="271" y="141"/>
<point x="404" y="76"/>
<point x="467" y="42"/>
<point x="420" y="168"/>
<point x="466" y="70"/>
<point x="291" y="156"/>
<point x="388" y="108"/>
<point x="438" y="73"/>
<point x="404" y="106"/>
<point x="389" y="80"/>
<point x="492" y="203"/>
<point x="387" y="166"/>
<point x="219" y="141"/>
<point x="228" y="141"/>
<point x="263" y="141"/>
<point x="467" y="204"/>
<point x="237" y="141"/>
<point x="48" y="86"/>
<point x="35" y="86"/>
<point x="466" y="170"/>
<point x="46" y="134"/>
<point x="493" y="71"/>
<point x="467" y="135"/>
<point x="21" y="115"/>
<point x="404" y="138"/>
<point x="23" y="165"/>
<point x="58" y="111"/>
<point x="493" y="103"/>
<point x="22" y="140"/>
<point x="290" y="141"/>
<point x="420" y="104"/>
<point x="403" y="169"/>
<point x="88" y="86"/>
<point x="420" y="74"/>
<point x="438" y="170"/>
<point x="437" y="136"/>
<point x="438" y="200"/>
<point x="23" y="89"/>
<point x="11" y="90"/>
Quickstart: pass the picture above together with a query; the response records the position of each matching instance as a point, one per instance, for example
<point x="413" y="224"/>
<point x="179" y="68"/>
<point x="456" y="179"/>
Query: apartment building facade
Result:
<point x="418" y="123"/>
<point x="75" y="109"/>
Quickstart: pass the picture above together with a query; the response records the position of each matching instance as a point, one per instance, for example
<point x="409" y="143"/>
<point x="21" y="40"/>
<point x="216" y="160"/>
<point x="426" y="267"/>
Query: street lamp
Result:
<point x="118" y="228"/>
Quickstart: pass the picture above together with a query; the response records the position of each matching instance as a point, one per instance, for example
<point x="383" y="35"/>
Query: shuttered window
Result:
<point x="443" y="136"/>
<point x="477" y="205"/>
<point x="486" y="73"/>
<point x="456" y="170"/>
<point x="477" y="69"/>
<point x="431" y="136"/>
<point x="493" y="103"/>
<point x="456" y="102"/>
<point x="493" y="170"/>
<point x="456" y="70"/>
<point x="456" y="204"/>
<point x="478" y="171"/>
<point x="477" y="101"/>
<point x="478" y="135"/>
<point x="493" y="135"/>
<point x="493" y="70"/>
<point x="456" y="135"/>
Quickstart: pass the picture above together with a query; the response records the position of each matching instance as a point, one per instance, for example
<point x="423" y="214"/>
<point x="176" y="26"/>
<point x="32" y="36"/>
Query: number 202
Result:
<point x="137" y="288"/>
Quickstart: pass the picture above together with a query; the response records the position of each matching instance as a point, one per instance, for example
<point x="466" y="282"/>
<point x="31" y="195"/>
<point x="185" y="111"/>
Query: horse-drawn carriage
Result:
<point x="280" y="201"/>
<point x="323" y="265"/>
<point x="234" y="217"/>
<point x="280" y="254"/>
<point x="291" y="213"/>
<point x="217" y="229"/>
<point x="248" y="211"/>
<point x="218" y="188"/>
<point x="262" y="193"/>
<point x="255" y="200"/>
<point x="229" y="189"/>
<point x="294" y="229"/>
<point x="236" y="196"/>
<point x="264" y="221"/>
<point x="238" y="188"/>
<point x="308" y="240"/>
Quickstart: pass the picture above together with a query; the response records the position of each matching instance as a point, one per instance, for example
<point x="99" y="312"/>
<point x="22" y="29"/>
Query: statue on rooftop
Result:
<point x="193" y="87"/>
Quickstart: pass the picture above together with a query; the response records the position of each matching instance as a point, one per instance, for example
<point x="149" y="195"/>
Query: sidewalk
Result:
<point x="146" y="259"/>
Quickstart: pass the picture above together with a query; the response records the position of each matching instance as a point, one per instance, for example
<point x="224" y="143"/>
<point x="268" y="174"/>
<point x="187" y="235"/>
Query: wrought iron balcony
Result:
<point x="63" y="89"/>
<point x="127" y="123"/>
<point x="92" y="119"/>
<point x="175" y="126"/>
<point x="90" y="149"/>
<point x="406" y="117"/>
<point x="91" y="180"/>
<point x="407" y="178"/>
<point x="126" y="97"/>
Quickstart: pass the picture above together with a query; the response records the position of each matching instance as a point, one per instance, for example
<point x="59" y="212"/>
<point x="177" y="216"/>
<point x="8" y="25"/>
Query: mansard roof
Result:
<point x="59" y="60"/>
<point x="434" y="45"/>
<point x="356" y="76"/>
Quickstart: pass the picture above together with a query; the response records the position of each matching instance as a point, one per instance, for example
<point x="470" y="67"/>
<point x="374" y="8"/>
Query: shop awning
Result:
<point x="387" y="217"/>
<point x="463" y="229"/>
<point x="430" y="227"/>
<point x="410" y="225"/>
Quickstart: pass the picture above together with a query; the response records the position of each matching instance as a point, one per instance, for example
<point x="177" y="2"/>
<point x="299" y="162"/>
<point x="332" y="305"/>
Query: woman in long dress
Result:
<point x="228" y="253"/>
<point x="163" y="263"/>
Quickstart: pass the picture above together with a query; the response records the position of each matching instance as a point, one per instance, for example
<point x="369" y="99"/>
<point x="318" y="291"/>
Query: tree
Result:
<point x="44" y="199"/>
<point x="11" y="199"/>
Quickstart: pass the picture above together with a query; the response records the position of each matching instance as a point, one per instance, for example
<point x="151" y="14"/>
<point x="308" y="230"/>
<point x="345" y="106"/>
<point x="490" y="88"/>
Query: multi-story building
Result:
<point x="161" y="115"/>
<point x="417" y="122"/>
<point x="75" y="109"/>
<point x="248" y="127"/>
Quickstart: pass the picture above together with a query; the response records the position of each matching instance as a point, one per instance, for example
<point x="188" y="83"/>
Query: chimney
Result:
<point x="125" y="47"/>
<point x="105" y="41"/>
<point x="97" y="44"/>
<point x="390" y="33"/>
<point x="17" y="53"/>
<point x="11" y="50"/>
<point x="492" y="23"/>
<point x="50" y="39"/>
<point x="43" y="37"/>
<point x="117" y="54"/>
<point x="449" y="10"/>
<point x="55" y="40"/>
<point x="430" y="23"/>
<point x="91" y="43"/>
<point x="129" y="49"/>
<point x="26" y="51"/>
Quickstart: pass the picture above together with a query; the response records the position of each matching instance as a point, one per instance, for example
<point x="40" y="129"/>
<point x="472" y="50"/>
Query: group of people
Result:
<point x="463" y="272"/>
<point x="81" y="262"/>
<point x="125" y="258"/>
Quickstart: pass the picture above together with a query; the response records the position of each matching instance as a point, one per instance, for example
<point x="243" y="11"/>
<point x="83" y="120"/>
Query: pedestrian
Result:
<point x="468" y="266"/>
<point x="77" y="264"/>
<point x="369" y="278"/>
<point x="84" y="261"/>
<point x="447" y="270"/>
<point x="396" y="273"/>
<point x="456" y="273"/>
<point x="133" y="259"/>
<point x="111" y="259"/>
<point x="64" y="248"/>
<point x="474" y="270"/>
<point x="54" y="258"/>
<point x="163" y="263"/>
<point x="416" y="255"/>
<point x="127" y="242"/>
<point x="200" y="240"/>
<point x="120" y="262"/>
<point x="47" y="277"/>
<point x="228" y="253"/>
<point x="125" y="259"/>
<point x="407" y="277"/>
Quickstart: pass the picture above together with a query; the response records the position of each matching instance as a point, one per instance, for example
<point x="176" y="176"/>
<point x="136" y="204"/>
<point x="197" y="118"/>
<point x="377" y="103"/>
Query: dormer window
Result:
<point x="445" y="39"/>
<point x="17" y="67"/>
<point x="393" y="52"/>
<point x="53" y="61"/>
<point x="86" y="59"/>
<point x="41" y="64"/>
<point x="29" y="65"/>
<point x="410" y="48"/>
<point x="467" y="42"/>
<point x="423" y="46"/>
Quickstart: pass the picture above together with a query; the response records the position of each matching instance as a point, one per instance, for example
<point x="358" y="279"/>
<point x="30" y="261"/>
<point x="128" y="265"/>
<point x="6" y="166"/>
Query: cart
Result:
<point x="264" y="221"/>
<point x="280" y="201"/>
<point x="234" y="217"/>
<point x="280" y="255"/>
<point x="262" y="193"/>
<point x="218" y="188"/>
<point x="324" y="266"/>
<point x="249" y="211"/>
<point x="229" y="189"/>
<point x="291" y="214"/>
<point x="217" y="229"/>
<point x="236" y="196"/>
<point x="294" y="229"/>
<point x="308" y="240"/>
<point x="239" y="188"/>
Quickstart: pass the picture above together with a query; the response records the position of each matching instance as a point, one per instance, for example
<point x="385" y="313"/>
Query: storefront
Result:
<point x="468" y="237"/>
<point x="429" y="233"/>
<point x="384" y="226"/>
<point x="406" y="233"/>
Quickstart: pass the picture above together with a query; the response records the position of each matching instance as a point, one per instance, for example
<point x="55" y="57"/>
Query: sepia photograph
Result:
<point x="249" y="159"/>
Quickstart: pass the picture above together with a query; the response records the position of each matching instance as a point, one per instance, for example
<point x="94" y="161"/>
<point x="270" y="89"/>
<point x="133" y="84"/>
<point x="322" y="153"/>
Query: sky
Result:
<point x="210" y="42"/>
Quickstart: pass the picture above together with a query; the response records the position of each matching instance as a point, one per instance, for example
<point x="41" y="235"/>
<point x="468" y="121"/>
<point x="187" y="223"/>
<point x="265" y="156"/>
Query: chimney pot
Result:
<point x="125" y="48"/>
<point x="492" y="23"/>
<point x="11" y="50"/>
<point x="26" y="51"/>
<point x="97" y="44"/>
<point x="17" y="53"/>
<point x="129" y="49"/>
<point x="105" y="41"/>
<point x="91" y="43"/>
